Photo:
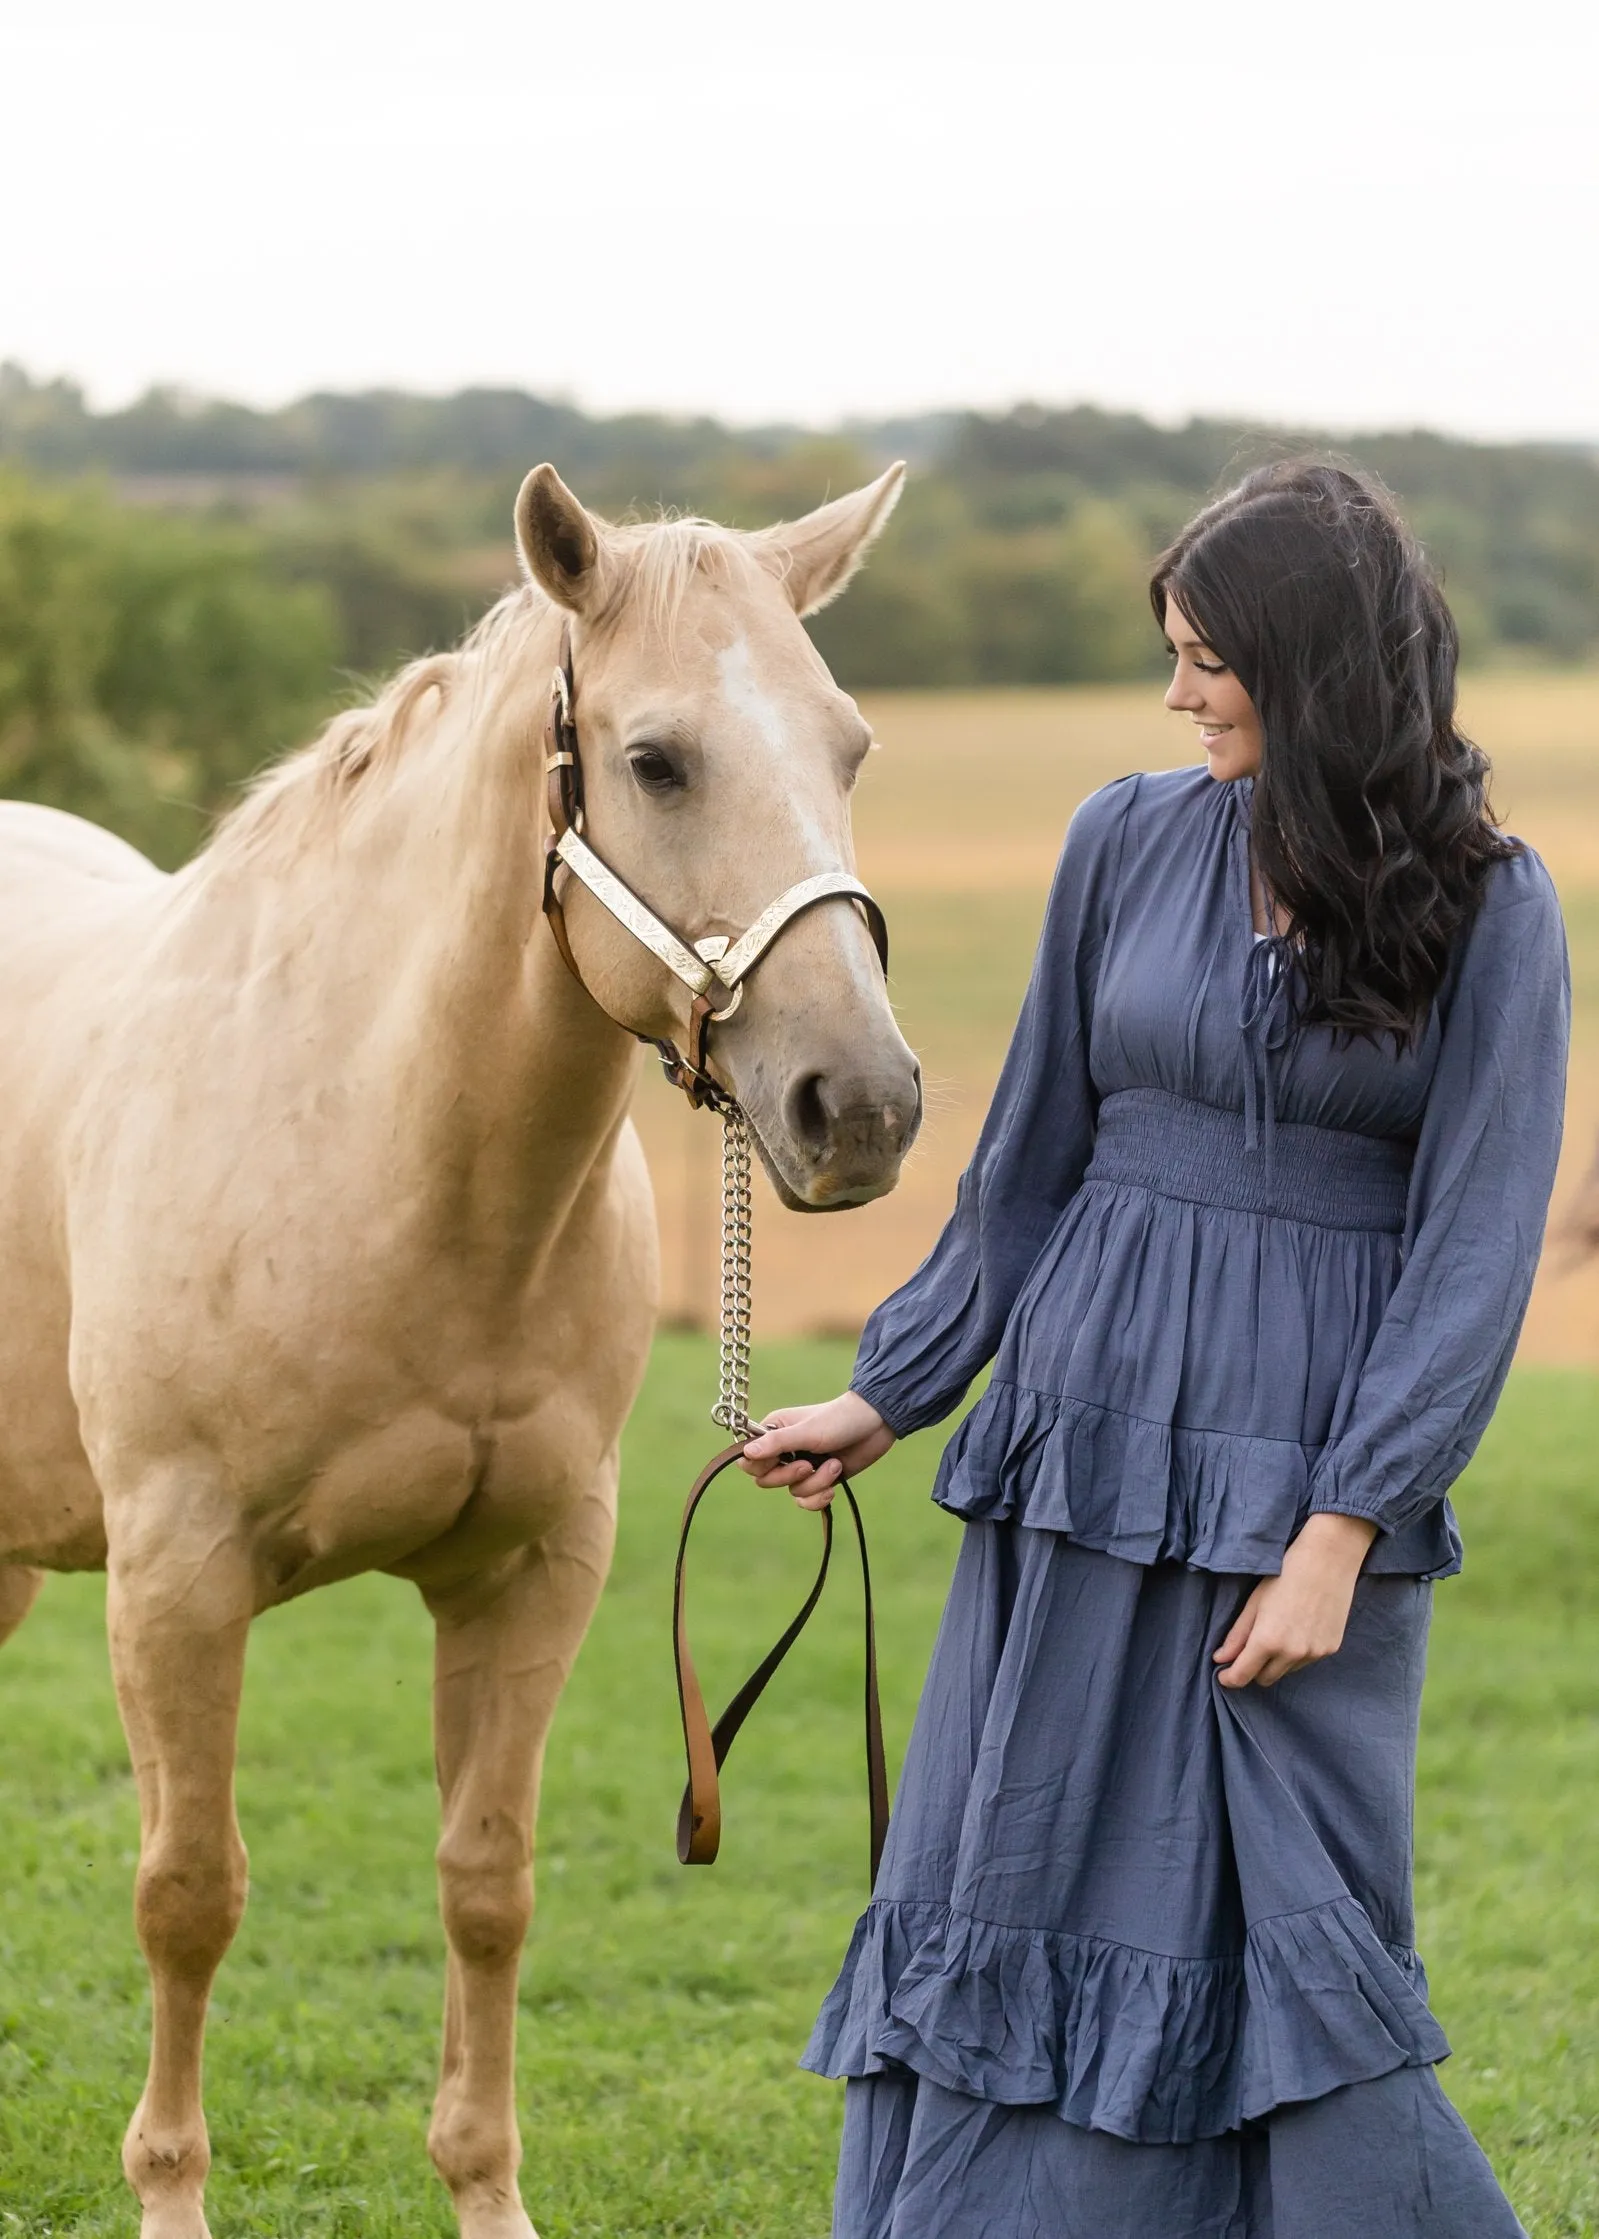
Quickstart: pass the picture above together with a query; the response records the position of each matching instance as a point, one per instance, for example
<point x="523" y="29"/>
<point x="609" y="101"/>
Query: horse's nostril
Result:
<point x="808" y="1114"/>
<point x="901" y="1120"/>
<point x="838" y="1116"/>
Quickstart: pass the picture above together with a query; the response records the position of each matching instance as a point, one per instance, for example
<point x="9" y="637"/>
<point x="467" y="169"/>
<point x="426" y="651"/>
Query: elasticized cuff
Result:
<point x="895" y="1406"/>
<point x="1329" y="1500"/>
<point x="1331" y="1493"/>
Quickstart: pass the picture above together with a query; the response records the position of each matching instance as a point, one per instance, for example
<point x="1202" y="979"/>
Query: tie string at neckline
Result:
<point x="1266" y="1021"/>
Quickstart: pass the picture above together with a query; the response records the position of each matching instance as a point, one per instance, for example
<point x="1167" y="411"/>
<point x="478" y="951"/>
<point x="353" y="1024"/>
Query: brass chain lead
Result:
<point x="732" y="1409"/>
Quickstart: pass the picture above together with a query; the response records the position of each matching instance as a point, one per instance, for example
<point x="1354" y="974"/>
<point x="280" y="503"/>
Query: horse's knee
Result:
<point x="189" y="1900"/>
<point x="486" y="1908"/>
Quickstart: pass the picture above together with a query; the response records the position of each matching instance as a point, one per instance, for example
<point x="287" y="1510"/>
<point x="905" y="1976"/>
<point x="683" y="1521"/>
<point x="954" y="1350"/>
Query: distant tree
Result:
<point x="906" y="619"/>
<point x="147" y="665"/>
<point x="1018" y="556"/>
<point x="1060" y="606"/>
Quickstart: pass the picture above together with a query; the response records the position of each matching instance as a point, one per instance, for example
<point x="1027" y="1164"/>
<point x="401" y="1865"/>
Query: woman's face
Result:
<point x="1209" y="694"/>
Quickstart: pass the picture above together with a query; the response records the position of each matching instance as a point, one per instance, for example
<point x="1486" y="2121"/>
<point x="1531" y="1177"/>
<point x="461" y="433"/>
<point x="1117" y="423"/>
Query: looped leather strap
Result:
<point x="699" y="1818"/>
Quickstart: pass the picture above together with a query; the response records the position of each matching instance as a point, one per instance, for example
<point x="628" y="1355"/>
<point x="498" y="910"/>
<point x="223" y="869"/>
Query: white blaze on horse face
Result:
<point x="744" y="692"/>
<point x="749" y="700"/>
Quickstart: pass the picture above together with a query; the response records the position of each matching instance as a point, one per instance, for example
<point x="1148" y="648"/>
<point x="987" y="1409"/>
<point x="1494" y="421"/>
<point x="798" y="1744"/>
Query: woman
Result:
<point x="1248" y="1237"/>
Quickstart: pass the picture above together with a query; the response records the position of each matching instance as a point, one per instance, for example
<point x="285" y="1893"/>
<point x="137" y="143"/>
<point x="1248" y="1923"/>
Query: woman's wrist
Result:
<point x="879" y="1420"/>
<point x="1343" y="1541"/>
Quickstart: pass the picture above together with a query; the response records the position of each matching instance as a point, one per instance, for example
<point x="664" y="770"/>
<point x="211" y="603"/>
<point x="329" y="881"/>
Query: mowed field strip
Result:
<point x="958" y="824"/>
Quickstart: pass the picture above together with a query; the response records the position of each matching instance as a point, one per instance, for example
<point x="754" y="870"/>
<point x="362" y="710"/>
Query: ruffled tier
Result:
<point x="1152" y="1492"/>
<point x="1153" y="2049"/>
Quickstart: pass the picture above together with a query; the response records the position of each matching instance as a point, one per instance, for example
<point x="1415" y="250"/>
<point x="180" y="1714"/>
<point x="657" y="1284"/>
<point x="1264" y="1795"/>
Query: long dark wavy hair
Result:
<point x="1371" y="825"/>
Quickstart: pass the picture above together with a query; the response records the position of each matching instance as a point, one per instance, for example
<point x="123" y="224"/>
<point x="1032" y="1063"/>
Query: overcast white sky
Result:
<point x="1384" y="212"/>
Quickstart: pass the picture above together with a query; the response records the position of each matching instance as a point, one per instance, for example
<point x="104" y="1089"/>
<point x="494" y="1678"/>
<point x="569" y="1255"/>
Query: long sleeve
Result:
<point x="1479" y="1193"/>
<point x="923" y="1346"/>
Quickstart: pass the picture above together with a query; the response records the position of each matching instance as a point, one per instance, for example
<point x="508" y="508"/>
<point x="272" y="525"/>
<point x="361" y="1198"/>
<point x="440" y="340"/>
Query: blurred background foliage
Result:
<point x="186" y="585"/>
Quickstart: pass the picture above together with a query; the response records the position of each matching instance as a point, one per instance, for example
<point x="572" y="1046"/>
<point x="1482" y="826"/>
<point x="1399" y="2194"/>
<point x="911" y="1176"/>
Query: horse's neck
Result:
<point x="491" y="1079"/>
<point x="529" y="1080"/>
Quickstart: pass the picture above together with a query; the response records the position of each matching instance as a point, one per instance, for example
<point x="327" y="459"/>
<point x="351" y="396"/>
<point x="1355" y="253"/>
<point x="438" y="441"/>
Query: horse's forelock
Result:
<point x="660" y="561"/>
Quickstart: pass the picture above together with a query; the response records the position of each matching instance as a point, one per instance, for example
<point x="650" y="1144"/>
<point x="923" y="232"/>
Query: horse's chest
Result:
<point x="389" y="1497"/>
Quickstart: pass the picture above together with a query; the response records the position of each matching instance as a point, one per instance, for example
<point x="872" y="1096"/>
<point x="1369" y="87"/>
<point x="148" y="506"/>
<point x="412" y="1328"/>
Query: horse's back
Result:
<point x="63" y="882"/>
<point x="37" y="840"/>
<point x="59" y="874"/>
<point x="72" y="896"/>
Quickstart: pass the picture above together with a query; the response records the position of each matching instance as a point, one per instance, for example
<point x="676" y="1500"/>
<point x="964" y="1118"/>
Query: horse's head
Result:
<point x="718" y="759"/>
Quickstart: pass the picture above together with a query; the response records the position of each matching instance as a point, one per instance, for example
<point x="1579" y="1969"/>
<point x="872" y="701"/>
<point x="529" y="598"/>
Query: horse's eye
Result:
<point x="654" y="771"/>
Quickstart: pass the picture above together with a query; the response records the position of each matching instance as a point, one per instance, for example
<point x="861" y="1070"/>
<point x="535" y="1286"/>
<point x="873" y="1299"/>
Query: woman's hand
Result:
<point x="1298" y="1617"/>
<point x="848" y="1430"/>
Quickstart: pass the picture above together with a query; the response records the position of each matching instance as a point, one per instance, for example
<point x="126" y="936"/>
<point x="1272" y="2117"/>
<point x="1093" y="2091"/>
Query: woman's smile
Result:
<point x="1205" y="689"/>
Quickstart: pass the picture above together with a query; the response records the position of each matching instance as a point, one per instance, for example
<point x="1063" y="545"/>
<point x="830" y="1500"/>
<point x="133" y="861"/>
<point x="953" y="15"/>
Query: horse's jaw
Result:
<point x="825" y="1199"/>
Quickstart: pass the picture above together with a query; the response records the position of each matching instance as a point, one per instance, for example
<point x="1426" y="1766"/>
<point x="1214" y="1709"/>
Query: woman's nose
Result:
<point x="1180" y="693"/>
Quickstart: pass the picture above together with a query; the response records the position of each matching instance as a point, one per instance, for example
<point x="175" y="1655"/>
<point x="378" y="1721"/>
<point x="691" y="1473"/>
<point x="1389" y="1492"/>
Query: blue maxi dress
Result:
<point x="1140" y="1962"/>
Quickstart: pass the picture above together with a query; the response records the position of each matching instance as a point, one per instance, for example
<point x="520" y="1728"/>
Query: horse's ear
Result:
<point x="821" y="552"/>
<point x="561" y="543"/>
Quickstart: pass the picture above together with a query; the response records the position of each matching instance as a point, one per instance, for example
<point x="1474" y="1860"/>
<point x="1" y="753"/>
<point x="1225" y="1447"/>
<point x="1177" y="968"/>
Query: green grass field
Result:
<point x="663" y="2010"/>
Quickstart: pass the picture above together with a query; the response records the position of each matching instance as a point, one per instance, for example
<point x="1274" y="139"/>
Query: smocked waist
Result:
<point x="1178" y="1148"/>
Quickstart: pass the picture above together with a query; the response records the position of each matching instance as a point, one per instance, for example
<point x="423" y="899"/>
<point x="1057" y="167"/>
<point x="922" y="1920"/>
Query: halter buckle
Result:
<point x="704" y="1094"/>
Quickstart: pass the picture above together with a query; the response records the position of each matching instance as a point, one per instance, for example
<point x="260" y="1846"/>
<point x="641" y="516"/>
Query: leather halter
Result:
<point x="714" y="968"/>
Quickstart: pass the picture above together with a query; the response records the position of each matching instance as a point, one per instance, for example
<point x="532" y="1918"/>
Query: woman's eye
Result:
<point x="1211" y="668"/>
<point x="653" y="770"/>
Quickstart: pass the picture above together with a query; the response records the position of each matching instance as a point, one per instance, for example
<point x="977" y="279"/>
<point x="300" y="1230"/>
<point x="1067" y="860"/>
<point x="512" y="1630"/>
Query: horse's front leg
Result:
<point x="179" y="1602"/>
<point x="505" y="1645"/>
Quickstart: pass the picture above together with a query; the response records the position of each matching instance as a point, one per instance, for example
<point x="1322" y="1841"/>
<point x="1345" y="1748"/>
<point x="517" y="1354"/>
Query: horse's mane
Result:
<point x="303" y="794"/>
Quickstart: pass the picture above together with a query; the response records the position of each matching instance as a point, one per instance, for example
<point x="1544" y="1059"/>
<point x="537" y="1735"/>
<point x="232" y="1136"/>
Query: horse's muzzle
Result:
<point x="840" y="1137"/>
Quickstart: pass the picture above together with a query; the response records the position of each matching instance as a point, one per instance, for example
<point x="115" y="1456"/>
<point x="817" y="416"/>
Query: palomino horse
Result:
<point x="326" y="1244"/>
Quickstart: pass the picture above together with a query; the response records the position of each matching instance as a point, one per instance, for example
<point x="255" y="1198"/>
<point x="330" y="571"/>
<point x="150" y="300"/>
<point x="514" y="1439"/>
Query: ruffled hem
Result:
<point x="1153" y="2049"/>
<point x="1152" y="1492"/>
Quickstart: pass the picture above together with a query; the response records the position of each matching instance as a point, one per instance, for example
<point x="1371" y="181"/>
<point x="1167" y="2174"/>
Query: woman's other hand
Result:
<point x="848" y="1430"/>
<point x="1299" y="1616"/>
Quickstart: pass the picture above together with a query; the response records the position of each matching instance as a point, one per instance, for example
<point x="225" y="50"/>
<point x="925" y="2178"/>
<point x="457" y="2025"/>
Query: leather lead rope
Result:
<point x="713" y="970"/>
<point x="699" y="1818"/>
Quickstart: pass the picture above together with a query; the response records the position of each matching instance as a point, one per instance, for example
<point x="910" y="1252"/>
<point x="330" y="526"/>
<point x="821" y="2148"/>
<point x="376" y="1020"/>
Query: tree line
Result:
<point x="186" y="584"/>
